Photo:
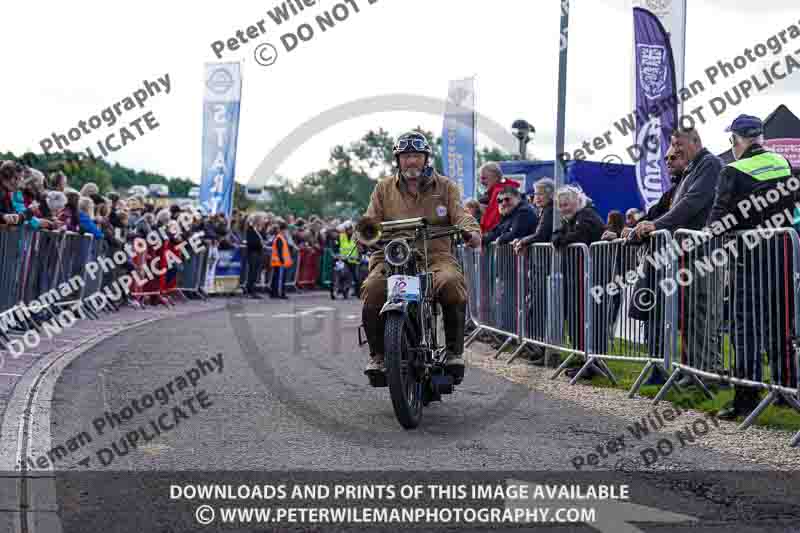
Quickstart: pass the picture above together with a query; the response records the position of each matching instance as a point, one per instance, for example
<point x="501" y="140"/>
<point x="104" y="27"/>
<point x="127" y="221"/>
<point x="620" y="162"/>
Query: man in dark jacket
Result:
<point x="677" y="163"/>
<point x="756" y="190"/>
<point x="693" y="197"/>
<point x="521" y="220"/>
<point x="255" y="252"/>
<point x="689" y="206"/>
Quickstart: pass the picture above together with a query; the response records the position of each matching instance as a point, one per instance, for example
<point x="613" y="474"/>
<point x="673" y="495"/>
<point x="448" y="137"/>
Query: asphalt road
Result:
<point x="290" y="396"/>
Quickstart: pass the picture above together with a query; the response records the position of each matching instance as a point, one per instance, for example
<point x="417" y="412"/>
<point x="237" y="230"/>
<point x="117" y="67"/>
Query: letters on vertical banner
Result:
<point x="458" y="136"/>
<point x="220" y="134"/>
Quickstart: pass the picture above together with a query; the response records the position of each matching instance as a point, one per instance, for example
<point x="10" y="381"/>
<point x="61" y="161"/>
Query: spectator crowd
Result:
<point x="270" y="244"/>
<point x="704" y="194"/>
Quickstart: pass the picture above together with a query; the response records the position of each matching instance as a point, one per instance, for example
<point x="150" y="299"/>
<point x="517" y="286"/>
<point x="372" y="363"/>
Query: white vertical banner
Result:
<point x="458" y="136"/>
<point x="223" y="84"/>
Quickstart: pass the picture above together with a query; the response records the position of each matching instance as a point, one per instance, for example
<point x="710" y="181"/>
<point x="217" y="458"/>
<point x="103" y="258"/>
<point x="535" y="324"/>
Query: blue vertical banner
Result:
<point x="223" y="91"/>
<point x="458" y="136"/>
<point x="656" y="103"/>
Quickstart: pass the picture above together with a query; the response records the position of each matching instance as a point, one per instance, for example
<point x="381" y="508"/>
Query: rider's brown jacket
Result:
<point x="438" y="200"/>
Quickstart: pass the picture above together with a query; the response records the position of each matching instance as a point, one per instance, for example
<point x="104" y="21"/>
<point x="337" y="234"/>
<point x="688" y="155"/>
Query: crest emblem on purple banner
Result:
<point x="652" y="69"/>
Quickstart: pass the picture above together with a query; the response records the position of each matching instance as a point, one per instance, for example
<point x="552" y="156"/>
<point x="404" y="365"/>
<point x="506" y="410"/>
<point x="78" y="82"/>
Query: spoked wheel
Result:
<point x="405" y="387"/>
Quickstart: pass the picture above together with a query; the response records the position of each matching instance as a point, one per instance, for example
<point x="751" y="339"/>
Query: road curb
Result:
<point x="25" y="403"/>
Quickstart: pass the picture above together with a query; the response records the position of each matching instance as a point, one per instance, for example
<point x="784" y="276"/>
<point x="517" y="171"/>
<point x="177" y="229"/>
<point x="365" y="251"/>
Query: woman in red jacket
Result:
<point x="492" y="178"/>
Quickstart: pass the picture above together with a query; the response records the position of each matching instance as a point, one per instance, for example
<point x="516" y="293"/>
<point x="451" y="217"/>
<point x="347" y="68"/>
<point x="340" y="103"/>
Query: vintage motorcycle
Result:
<point x="414" y="339"/>
<point x="341" y="280"/>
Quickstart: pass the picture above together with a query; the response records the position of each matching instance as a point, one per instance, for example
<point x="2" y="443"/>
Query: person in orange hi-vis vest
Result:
<point x="281" y="262"/>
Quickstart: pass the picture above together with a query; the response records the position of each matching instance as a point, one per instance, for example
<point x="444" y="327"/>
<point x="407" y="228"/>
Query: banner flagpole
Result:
<point x="560" y="163"/>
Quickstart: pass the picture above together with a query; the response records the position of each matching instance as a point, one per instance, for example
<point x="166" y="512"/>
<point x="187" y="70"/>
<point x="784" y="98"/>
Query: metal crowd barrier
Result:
<point x="326" y="269"/>
<point x="291" y="274"/>
<point x="571" y="283"/>
<point x="469" y="259"/>
<point x="633" y="316"/>
<point x="535" y="298"/>
<point x="94" y="281"/>
<point x="528" y="298"/>
<point x="75" y="255"/>
<point x="44" y="271"/>
<point x="496" y="308"/>
<point x="16" y="246"/>
<point x="739" y="316"/>
<point x="192" y="273"/>
<point x="309" y="271"/>
<point x="721" y="309"/>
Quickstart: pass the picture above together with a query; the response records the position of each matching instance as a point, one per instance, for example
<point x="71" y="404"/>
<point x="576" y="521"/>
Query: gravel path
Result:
<point x="755" y="446"/>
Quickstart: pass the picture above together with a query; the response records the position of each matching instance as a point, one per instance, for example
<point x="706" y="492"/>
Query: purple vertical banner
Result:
<point x="656" y="104"/>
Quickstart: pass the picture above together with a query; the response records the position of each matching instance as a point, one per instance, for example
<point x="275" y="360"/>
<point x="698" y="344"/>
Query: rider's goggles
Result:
<point x="418" y="144"/>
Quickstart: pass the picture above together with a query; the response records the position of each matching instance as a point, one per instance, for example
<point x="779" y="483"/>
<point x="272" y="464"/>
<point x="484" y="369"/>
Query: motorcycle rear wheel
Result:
<point x="405" y="388"/>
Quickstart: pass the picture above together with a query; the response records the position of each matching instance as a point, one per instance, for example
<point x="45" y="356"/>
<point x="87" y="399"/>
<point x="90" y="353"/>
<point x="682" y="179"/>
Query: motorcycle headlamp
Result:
<point x="397" y="253"/>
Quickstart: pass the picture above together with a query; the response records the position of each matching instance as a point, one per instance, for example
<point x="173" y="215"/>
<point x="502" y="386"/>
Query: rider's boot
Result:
<point x="374" y="326"/>
<point x="454" y="323"/>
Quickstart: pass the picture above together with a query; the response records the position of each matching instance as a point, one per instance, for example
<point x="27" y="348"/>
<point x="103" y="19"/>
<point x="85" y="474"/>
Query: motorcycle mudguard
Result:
<point x="400" y="307"/>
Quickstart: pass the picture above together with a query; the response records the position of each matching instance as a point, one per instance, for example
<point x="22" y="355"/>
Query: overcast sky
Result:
<point x="65" y="61"/>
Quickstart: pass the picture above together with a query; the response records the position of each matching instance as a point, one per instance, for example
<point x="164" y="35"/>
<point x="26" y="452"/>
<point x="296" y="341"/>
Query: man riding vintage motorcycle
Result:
<point x="418" y="191"/>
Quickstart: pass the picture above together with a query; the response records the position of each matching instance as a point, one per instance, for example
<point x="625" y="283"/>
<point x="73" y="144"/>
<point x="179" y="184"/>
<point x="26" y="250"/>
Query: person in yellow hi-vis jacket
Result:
<point x="345" y="261"/>
<point x="758" y="190"/>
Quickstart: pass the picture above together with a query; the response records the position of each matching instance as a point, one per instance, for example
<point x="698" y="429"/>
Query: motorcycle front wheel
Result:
<point x="405" y="386"/>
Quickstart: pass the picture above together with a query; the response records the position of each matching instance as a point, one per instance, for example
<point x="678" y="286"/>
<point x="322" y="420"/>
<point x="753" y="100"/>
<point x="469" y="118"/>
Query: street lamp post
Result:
<point x="523" y="131"/>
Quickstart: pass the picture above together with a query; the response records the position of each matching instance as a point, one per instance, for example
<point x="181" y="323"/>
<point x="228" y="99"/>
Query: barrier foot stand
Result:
<point x="88" y="310"/>
<point x="795" y="441"/>
<point x="791" y="400"/>
<point x="113" y="305"/>
<point x="516" y="353"/>
<point x="49" y="312"/>
<point x="702" y="386"/>
<point x="668" y="385"/>
<point x="605" y="370"/>
<point x="751" y="418"/>
<point x="502" y="347"/>
<point x="96" y="309"/>
<point x="639" y="380"/>
<point x="33" y="323"/>
<point x="472" y="337"/>
<point x="583" y="369"/>
<point x="563" y="365"/>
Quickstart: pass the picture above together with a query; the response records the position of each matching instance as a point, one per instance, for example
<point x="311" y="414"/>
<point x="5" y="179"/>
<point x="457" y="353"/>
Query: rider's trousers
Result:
<point x="448" y="282"/>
